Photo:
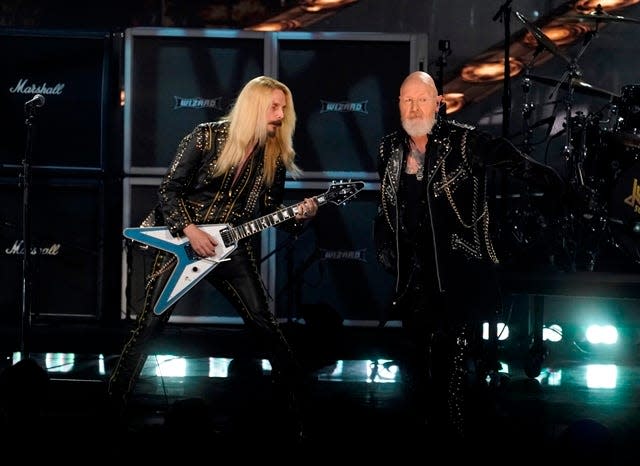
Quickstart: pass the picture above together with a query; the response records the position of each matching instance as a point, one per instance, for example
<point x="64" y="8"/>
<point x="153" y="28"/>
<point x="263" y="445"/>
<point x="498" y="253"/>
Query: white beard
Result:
<point x="418" y="126"/>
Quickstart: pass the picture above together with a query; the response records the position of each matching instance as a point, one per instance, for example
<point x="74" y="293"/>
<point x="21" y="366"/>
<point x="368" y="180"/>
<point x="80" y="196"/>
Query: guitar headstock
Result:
<point x="340" y="192"/>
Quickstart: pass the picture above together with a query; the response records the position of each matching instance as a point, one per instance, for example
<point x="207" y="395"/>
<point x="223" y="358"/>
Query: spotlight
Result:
<point x="587" y="5"/>
<point x="454" y="101"/>
<point x="602" y="334"/>
<point x="489" y="70"/>
<point x="552" y="333"/>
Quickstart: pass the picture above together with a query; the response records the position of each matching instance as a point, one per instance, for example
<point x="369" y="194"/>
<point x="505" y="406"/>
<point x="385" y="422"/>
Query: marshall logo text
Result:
<point x="18" y="250"/>
<point x="24" y="87"/>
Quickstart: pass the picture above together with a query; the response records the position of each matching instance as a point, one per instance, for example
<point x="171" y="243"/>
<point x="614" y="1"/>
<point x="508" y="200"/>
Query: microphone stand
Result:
<point x="504" y="14"/>
<point x="572" y="73"/>
<point x="528" y="106"/>
<point x="25" y="180"/>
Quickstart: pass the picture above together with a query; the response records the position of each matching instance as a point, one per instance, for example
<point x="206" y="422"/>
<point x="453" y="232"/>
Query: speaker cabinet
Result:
<point x="70" y="70"/>
<point x="66" y="247"/>
<point x="176" y="80"/>
<point x="332" y="264"/>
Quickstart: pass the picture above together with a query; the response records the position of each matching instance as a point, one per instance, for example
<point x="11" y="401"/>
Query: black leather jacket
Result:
<point x="190" y="194"/>
<point x="455" y="203"/>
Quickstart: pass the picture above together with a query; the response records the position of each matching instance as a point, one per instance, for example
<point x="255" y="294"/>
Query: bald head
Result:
<point x="420" y="79"/>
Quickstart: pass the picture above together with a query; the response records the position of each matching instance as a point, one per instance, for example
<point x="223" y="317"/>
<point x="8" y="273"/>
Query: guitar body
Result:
<point x="190" y="268"/>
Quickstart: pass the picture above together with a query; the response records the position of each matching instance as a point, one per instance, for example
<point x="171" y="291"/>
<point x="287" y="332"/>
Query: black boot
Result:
<point x="290" y="392"/>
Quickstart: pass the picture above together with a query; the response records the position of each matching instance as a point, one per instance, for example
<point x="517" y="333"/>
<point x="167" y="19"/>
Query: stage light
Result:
<point x="559" y="34"/>
<point x="314" y="6"/>
<point x="601" y="375"/>
<point x="588" y="5"/>
<point x="454" y="101"/>
<point x="275" y="26"/>
<point x="502" y="331"/>
<point x="552" y="333"/>
<point x="382" y="371"/>
<point x="166" y="366"/>
<point x="489" y="70"/>
<point x="219" y="367"/>
<point x="59" y="362"/>
<point x="551" y="377"/>
<point x="602" y="334"/>
<point x="102" y="370"/>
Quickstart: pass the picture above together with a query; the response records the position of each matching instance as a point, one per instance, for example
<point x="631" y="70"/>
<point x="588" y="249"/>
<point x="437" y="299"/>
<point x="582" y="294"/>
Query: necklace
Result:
<point x="418" y="162"/>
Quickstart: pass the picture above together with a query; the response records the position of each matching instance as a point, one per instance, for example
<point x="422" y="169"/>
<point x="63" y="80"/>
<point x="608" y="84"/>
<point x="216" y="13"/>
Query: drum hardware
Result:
<point x="527" y="109"/>
<point x="572" y="82"/>
<point x="598" y="16"/>
<point x="603" y="203"/>
<point x="541" y="37"/>
<point x="626" y="127"/>
<point x="578" y="85"/>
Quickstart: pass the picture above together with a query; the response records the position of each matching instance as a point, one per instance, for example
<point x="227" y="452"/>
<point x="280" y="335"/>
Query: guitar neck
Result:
<point x="262" y="223"/>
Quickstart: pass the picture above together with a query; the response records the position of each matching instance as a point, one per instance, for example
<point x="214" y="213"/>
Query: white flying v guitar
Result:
<point x="191" y="268"/>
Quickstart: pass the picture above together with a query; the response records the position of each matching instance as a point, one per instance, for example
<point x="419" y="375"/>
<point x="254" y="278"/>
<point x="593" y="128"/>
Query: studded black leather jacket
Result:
<point x="190" y="194"/>
<point x="451" y="238"/>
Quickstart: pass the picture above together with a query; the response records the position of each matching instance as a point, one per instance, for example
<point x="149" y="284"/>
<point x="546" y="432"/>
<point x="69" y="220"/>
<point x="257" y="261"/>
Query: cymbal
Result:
<point x="541" y="37"/>
<point x="578" y="85"/>
<point x="599" y="17"/>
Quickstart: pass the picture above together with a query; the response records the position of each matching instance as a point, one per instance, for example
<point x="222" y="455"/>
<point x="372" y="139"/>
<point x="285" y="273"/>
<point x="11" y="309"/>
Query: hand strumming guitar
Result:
<point x="201" y="242"/>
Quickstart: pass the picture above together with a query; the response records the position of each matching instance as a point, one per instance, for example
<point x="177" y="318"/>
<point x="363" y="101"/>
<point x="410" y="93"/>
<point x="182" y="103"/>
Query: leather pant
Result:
<point x="440" y="366"/>
<point x="238" y="279"/>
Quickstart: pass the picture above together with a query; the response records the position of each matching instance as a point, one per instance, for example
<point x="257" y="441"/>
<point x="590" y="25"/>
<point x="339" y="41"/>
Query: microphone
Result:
<point x="36" y="101"/>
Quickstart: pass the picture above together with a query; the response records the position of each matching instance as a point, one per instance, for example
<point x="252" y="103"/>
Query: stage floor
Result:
<point x="192" y="405"/>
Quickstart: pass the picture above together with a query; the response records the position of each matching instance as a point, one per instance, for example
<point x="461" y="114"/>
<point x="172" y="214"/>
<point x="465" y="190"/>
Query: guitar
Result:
<point x="191" y="268"/>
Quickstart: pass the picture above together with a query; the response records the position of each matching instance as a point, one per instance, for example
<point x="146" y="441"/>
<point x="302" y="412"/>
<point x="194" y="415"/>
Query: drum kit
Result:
<point x="602" y="157"/>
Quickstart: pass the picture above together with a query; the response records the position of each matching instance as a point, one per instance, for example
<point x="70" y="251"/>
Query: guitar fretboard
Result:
<point x="337" y="193"/>
<point x="252" y="227"/>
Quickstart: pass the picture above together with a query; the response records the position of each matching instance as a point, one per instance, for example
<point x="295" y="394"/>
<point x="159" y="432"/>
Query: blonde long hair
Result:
<point x="247" y="126"/>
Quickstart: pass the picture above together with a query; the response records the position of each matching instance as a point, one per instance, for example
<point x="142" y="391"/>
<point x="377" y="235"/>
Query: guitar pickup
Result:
<point x="191" y="254"/>
<point x="227" y="239"/>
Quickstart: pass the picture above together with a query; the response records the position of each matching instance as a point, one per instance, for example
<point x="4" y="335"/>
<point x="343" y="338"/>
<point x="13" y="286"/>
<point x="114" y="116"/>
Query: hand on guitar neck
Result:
<point x="306" y="209"/>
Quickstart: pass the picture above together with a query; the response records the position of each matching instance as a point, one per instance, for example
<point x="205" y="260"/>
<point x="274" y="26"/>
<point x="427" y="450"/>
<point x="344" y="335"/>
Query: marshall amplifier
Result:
<point x="66" y="247"/>
<point x="71" y="72"/>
